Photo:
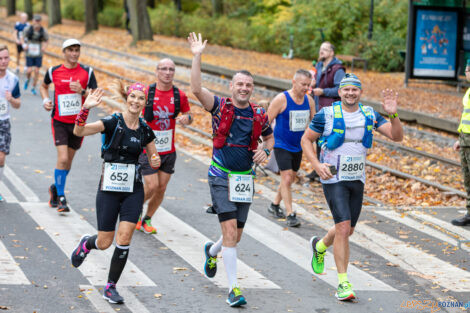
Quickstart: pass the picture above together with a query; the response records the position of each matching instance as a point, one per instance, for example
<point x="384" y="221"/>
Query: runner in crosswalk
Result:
<point x="121" y="193"/>
<point x="9" y="96"/>
<point x="344" y="131"/>
<point x="237" y="125"/>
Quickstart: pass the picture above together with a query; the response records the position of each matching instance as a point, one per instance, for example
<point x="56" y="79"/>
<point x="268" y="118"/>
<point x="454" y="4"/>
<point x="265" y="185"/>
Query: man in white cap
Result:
<point x="72" y="82"/>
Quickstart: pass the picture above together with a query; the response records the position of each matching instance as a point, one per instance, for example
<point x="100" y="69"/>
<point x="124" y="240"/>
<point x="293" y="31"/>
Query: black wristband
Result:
<point x="267" y="152"/>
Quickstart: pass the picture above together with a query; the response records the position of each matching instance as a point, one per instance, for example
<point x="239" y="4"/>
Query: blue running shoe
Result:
<point x="79" y="254"/>
<point x="26" y="83"/>
<point x="111" y="294"/>
<point x="210" y="267"/>
<point x="235" y="298"/>
<point x="33" y="91"/>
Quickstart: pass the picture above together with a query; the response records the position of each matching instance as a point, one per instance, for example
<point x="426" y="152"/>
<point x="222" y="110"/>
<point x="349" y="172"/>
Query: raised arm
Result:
<point x="81" y="128"/>
<point x="202" y="94"/>
<point x="394" y="129"/>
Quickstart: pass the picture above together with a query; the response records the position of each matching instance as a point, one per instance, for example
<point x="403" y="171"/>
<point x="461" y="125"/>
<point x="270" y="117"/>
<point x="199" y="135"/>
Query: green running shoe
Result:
<point x="318" y="263"/>
<point x="235" y="298"/>
<point x="345" y="292"/>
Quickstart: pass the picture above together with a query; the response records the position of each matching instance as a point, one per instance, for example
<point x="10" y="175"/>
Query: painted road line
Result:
<point x="29" y="195"/>
<point x="389" y="248"/>
<point x="10" y="271"/>
<point x="132" y="303"/>
<point x="67" y="229"/>
<point x="7" y="194"/>
<point x="96" y="298"/>
<point x="188" y="243"/>
<point x="410" y="222"/>
<point x="461" y="231"/>
<point x="297" y="250"/>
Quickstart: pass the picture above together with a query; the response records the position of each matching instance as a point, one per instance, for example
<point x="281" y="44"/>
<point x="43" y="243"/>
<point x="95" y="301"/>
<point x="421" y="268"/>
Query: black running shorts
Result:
<point x="287" y="160"/>
<point x="167" y="164"/>
<point x="110" y="205"/>
<point x="345" y="200"/>
<point x="62" y="134"/>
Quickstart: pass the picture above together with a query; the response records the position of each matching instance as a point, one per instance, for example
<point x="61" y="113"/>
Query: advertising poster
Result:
<point x="435" y="43"/>
<point x="466" y="33"/>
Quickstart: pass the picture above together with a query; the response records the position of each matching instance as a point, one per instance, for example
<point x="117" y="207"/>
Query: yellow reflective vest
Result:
<point x="464" y="126"/>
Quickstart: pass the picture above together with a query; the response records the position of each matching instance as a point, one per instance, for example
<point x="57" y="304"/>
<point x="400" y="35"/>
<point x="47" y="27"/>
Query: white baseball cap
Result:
<point x="70" y="42"/>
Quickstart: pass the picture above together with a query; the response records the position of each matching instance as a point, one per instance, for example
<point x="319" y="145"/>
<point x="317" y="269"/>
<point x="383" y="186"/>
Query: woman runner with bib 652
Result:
<point x="120" y="192"/>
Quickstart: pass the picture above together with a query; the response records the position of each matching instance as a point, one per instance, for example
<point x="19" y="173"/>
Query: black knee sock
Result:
<point x="118" y="262"/>
<point x="91" y="242"/>
<point x="147" y="218"/>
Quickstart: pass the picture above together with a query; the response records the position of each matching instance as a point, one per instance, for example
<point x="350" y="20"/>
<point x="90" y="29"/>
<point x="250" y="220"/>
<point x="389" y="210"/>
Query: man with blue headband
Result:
<point x="463" y="145"/>
<point x="344" y="133"/>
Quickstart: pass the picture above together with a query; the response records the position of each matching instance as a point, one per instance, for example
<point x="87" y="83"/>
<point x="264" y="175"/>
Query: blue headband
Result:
<point x="350" y="80"/>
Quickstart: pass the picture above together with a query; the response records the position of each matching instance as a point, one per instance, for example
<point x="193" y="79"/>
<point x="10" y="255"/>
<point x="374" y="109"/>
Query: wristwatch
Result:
<point x="83" y="92"/>
<point x="267" y="152"/>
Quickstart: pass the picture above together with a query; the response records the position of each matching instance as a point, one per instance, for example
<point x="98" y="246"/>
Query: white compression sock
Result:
<point x="215" y="249"/>
<point x="229" y="255"/>
<point x="1" y="172"/>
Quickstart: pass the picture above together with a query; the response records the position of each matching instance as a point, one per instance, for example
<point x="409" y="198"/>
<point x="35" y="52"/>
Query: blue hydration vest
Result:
<point x="336" y="138"/>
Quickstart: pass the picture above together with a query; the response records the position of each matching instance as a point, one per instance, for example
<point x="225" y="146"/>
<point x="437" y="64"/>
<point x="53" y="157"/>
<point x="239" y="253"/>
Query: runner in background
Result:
<point x="19" y="34"/>
<point x="9" y="97"/>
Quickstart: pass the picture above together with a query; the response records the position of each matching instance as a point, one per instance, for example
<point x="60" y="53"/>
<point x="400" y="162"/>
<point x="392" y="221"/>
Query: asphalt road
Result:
<point x="395" y="260"/>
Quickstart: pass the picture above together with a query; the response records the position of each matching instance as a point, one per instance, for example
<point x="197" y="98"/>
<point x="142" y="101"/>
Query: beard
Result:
<point x="349" y="104"/>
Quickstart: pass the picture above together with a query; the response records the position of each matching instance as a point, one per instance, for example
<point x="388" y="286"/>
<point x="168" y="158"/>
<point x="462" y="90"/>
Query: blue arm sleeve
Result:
<point x="15" y="93"/>
<point x="333" y="92"/>
<point x="379" y="119"/>
<point x="318" y="122"/>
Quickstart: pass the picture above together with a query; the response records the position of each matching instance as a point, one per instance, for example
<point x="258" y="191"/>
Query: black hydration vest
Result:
<point x="148" y="115"/>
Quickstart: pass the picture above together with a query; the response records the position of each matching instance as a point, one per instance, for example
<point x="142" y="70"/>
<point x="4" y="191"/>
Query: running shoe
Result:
<point x="79" y="254"/>
<point x="345" y="292"/>
<point x="63" y="207"/>
<point x="26" y="83"/>
<point x="275" y="209"/>
<point x="292" y="220"/>
<point x="235" y="297"/>
<point x="210" y="267"/>
<point x="318" y="263"/>
<point x="111" y="294"/>
<point x="139" y="225"/>
<point x="1" y="198"/>
<point x="33" y="91"/>
<point x="211" y="210"/>
<point x="53" y="201"/>
<point x="147" y="227"/>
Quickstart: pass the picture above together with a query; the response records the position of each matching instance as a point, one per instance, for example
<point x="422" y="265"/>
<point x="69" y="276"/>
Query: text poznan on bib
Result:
<point x="351" y="167"/>
<point x="118" y="177"/>
<point x="240" y="188"/>
<point x="69" y="104"/>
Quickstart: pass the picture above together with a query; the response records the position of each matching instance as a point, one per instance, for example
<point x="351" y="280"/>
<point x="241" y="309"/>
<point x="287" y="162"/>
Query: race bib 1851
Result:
<point x="118" y="177"/>
<point x="69" y="104"/>
<point x="298" y="120"/>
<point x="351" y="167"/>
<point x="34" y="49"/>
<point x="240" y="188"/>
<point x="163" y="140"/>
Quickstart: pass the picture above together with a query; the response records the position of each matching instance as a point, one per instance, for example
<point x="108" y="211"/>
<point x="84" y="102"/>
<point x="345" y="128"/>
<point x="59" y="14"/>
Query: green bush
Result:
<point x="112" y="16"/>
<point x="73" y="9"/>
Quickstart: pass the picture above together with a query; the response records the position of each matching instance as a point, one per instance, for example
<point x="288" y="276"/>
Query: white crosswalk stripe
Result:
<point x="96" y="298"/>
<point x="188" y="243"/>
<point x="10" y="271"/>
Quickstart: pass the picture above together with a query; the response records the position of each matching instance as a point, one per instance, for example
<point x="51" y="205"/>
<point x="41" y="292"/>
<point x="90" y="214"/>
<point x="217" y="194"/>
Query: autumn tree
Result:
<point x="11" y="7"/>
<point x="44" y="6"/>
<point x="53" y="11"/>
<point x="28" y="8"/>
<point x="91" y="15"/>
<point x="140" y="21"/>
<point x="217" y="7"/>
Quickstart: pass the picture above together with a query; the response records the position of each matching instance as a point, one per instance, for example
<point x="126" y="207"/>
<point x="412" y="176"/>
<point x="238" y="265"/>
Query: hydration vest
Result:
<point x="338" y="133"/>
<point x="227" y="117"/>
<point x="464" y="126"/>
<point x="110" y="146"/>
<point x="148" y="115"/>
<point x="29" y="34"/>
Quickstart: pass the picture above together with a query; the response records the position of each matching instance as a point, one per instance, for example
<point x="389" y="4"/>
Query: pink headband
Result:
<point x="139" y="87"/>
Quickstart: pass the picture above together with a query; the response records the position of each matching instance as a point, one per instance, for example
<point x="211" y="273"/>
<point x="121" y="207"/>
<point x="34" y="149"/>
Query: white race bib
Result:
<point x="69" y="104"/>
<point x="34" y="49"/>
<point x="3" y="106"/>
<point x="118" y="177"/>
<point x="298" y="120"/>
<point x="163" y="140"/>
<point x="351" y="167"/>
<point x="240" y="188"/>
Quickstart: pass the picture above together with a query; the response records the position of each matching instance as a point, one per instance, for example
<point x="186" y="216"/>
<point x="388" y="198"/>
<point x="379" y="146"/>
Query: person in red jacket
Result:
<point x="72" y="82"/>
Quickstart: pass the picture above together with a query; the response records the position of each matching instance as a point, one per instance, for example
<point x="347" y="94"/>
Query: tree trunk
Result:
<point x="151" y="3"/>
<point x="139" y="20"/>
<point x="44" y="6"/>
<point x="178" y="5"/>
<point x="28" y="8"/>
<point x="217" y="7"/>
<point x="53" y="11"/>
<point x="11" y="7"/>
<point x="91" y="15"/>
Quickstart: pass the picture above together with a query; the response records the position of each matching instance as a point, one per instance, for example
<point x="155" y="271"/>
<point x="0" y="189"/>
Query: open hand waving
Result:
<point x="390" y="101"/>
<point x="196" y="44"/>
